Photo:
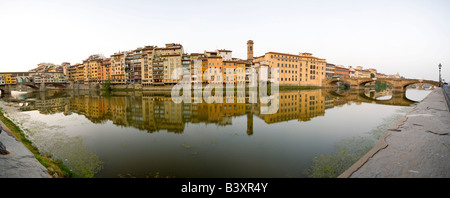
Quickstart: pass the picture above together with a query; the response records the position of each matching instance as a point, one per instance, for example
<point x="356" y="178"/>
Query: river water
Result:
<point x="315" y="133"/>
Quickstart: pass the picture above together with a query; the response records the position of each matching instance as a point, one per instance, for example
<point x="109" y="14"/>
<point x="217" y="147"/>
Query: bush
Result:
<point x="107" y="85"/>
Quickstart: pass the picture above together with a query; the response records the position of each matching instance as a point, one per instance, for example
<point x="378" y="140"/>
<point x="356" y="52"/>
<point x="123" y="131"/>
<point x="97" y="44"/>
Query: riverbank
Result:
<point x="24" y="159"/>
<point x="416" y="146"/>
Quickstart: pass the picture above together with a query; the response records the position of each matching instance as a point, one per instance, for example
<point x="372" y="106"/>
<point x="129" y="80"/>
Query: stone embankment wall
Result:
<point x="416" y="146"/>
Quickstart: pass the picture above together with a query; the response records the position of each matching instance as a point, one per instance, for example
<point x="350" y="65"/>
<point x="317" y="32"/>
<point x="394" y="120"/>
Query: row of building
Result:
<point x="340" y="71"/>
<point x="153" y="65"/>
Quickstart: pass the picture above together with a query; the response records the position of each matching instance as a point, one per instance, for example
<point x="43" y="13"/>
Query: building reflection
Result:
<point x="155" y="111"/>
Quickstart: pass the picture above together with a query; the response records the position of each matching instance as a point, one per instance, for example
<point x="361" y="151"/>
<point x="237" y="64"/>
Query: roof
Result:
<point x="301" y="56"/>
<point x="338" y="67"/>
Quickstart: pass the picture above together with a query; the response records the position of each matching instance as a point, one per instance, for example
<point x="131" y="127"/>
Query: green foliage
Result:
<point x="55" y="167"/>
<point x="345" y="86"/>
<point x="107" y="85"/>
<point x="381" y="86"/>
<point x="346" y="153"/>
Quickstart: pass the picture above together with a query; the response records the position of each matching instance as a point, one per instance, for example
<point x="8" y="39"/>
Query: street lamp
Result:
<point x="440" y="79"/>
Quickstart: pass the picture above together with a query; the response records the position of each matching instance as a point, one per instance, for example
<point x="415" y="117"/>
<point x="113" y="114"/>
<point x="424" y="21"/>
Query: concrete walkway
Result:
<point x="20" y="162"/>
<point x="417" y="146"/>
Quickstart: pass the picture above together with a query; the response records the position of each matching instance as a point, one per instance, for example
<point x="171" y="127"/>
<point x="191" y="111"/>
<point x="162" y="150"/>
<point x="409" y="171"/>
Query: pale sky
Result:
<point x="406" y="36"/>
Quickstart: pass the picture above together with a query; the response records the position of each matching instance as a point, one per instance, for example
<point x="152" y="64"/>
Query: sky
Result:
<point x="407" y="36"/>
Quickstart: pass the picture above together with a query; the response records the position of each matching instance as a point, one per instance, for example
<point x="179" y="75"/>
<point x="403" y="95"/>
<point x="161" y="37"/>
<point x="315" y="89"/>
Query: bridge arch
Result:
<point x="433" y="83"/>
<point x="335" y="81"/>
<point x="363" y="82"/>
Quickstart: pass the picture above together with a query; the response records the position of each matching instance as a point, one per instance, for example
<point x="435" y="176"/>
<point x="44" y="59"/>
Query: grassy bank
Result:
<point x="55" y="167"/>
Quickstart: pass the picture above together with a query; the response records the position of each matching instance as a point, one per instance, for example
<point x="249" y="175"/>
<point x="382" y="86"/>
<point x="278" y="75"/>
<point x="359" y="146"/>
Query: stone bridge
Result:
<point x="35" y="80"/>
<point x="398" y="84"/>
<point x="397" y="99"/>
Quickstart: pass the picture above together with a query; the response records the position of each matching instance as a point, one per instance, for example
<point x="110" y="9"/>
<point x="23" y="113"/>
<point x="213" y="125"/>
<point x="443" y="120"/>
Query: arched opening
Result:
<point x="418" y="91"/>
<point x="377" y="89"/>
<point x="339" y="84"/>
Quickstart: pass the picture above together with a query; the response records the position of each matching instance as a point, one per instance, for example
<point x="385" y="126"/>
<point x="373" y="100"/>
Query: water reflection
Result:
<point x="119" y="135"/>
<point x="155" y="111"/>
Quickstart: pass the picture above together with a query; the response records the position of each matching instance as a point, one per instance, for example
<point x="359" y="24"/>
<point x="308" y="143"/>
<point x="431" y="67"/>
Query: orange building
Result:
<point x="104" y="71"/>
<point x="341" y="72"/>
<point x="214" y="73"/>
<point x="234" y="72"/>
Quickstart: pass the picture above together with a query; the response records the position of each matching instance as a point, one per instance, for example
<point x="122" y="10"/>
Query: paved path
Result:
<point x="417" y="146"/>
<point x="20" y="162"/>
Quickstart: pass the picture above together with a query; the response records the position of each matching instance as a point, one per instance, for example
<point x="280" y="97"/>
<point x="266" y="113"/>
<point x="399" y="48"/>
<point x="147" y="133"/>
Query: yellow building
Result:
<point x="240" y="73"/>
<point x="93" y="68"/>
<point x="300" y="106"/>
<point x="8" y="79"/>
<point x="296" y="70"/>
<point x="80" y="73"/>
<point x="362" y="73"/>
<point x="234" y="72"/>
<point x="146" y="65"/>
<point x="165" y="61"/>
<point x="118" y="68"/>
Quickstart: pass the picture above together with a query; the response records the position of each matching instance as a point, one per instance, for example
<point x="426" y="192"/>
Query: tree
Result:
<point x="107" y="85"/>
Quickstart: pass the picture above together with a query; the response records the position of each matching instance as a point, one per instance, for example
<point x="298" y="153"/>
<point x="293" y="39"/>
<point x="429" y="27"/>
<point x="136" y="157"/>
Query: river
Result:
<point x="315" y="133"/>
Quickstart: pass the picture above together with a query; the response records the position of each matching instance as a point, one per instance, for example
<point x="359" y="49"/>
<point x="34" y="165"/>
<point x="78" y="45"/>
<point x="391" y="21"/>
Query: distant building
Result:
<point x="294" y="70"/>
<point x="104" y="73"/>
<point x="76" y="73"/>
<point x="146" y="65"/>
<point x="118" y="68"/>
<point x="133" y="66"/>
<point x="363" y="73"/>
<point x="250" y="50"/>
<point x="341" y="72"/>
<point x="225" y="54"/>
<point x="65" y="67"/>
<point x="381" y="75"/>
<point x="165" y="61"/>
<point x="329" y="71"/>
<point x="352" y="72"/>
<point x="92" y="66"/>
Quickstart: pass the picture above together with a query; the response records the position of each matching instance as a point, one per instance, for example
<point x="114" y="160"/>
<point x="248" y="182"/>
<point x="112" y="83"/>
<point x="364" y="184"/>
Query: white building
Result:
<point x="225" y="54"/>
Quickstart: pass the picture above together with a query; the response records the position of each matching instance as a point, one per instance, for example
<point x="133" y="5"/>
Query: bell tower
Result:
<point x="250" y="50"/>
